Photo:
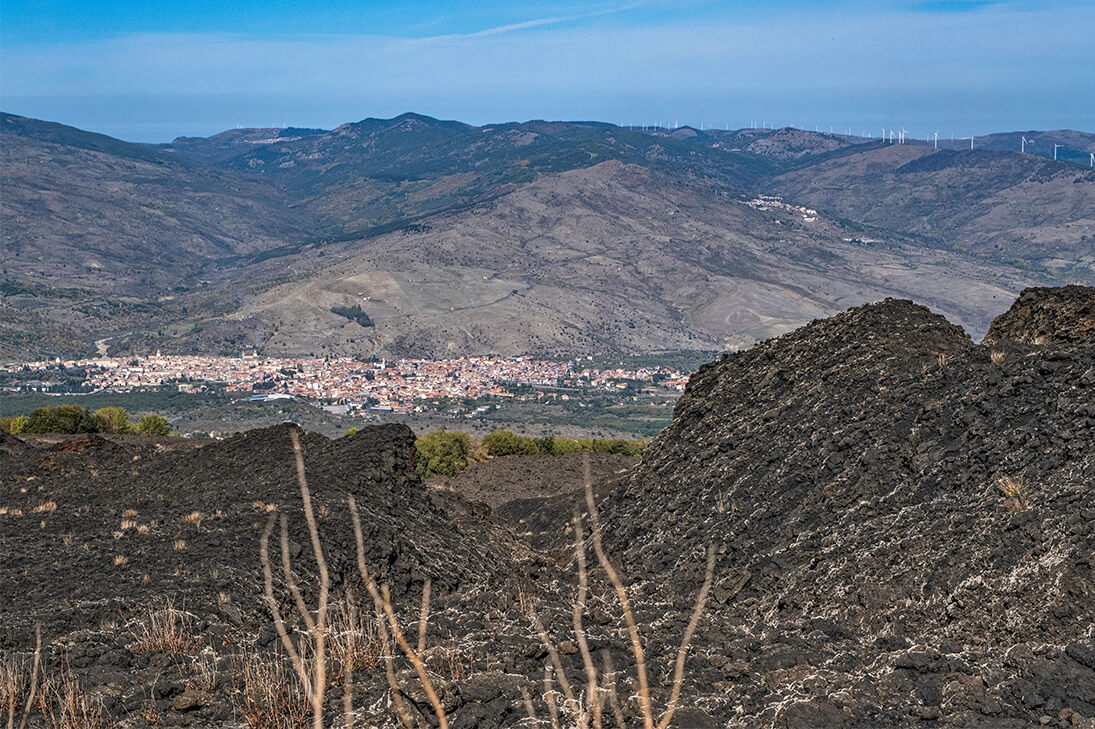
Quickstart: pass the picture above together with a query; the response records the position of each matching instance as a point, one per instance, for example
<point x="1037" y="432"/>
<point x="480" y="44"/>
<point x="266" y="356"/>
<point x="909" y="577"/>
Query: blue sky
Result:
<point x="153" y="70"/>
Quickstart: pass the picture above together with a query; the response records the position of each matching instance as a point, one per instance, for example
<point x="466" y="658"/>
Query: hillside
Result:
<point x="536" y="237"/>
<point x="1006" y="206"/>
<point x="380" y="171"/>
<point x="612" y="258"/>
<point x="911" y="514"/>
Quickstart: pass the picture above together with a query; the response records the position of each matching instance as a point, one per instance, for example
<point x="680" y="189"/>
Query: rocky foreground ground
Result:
<point x="902" y="521"/>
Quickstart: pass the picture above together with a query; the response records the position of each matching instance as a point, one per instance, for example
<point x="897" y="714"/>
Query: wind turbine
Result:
<point x="937" y="141"/>
<point x="971" y="140"/>
<point x="891" y="136"/>
<point x="903" y="132"/>
<point x="1093" y="159"/>
<point x="1025" y="143"/>
<point x="1055" y="151"/>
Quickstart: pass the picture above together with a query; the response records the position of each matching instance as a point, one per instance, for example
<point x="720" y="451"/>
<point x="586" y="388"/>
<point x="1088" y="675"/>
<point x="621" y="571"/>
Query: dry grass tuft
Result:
<point x="128" y="524"/>
<point x="1014" y="497"/>
<point x="353" y="641"/>
<point x="130" y="513"/>
<point x="997" y="357"/>
<point x="65" y="704"/>
<point x="120" y="559"/>
<point x="194" y="518"/>
<point x="179" y="545"/>
<point x="14" y="685"/>
<point x="163" y="629"/>
<point x="150" y="713"/>
<point x="49" y="506"/>
<point x="143" y="528"/>
<point x="269" y="695"/>
<point x="203" y="675"/>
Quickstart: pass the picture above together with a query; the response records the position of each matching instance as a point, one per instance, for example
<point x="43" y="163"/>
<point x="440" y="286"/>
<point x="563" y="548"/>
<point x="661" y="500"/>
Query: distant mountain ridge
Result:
<point x="533" y="237"/>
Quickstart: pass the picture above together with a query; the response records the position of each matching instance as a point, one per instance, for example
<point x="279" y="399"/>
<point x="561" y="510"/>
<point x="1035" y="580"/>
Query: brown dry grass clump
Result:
<point x="1014" y="497"/>
<point x="163" y="629"/>
<point x="268" y="696"/>
<point x="65" y="704"/>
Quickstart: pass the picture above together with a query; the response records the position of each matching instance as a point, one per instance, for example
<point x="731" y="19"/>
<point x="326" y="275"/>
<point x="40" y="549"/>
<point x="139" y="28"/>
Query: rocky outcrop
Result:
<point x="1047" y="315"/>
<point x="911" y="513"/>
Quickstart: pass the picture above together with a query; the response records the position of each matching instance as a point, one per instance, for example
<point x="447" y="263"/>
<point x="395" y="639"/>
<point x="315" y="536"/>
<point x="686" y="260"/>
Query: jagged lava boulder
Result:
<point x="852" y="475"/>
<point x="1045" y="315"/>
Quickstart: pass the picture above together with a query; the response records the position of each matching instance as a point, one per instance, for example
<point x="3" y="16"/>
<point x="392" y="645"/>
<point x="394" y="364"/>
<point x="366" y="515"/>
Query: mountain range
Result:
<point x="550" y="238"/>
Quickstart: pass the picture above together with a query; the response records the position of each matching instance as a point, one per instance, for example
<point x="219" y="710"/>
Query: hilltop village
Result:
<point x="399" y="386"/>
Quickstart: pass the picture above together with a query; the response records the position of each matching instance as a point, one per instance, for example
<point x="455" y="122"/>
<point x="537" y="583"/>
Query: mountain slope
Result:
<point x="381" y="170"/>
<point x="122" y="219"/>
<point x="1004" y="205"/>
<point x="612" y="258"/>
<point x="533" y="237"/>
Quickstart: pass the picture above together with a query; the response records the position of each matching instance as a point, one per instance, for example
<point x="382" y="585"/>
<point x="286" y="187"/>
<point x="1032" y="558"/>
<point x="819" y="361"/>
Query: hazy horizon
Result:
<point x="152" y="72"/>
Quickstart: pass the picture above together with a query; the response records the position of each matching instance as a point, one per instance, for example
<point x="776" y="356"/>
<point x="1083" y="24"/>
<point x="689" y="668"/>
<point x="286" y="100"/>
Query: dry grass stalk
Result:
<point x="353" y="640"/>
<point x="549" y="698"/>
<point x="270" y="697"/>
<point x="49" y="506"/>
<point x="312" y="678"/>
<point x="17" y="687"/>
<point x="203" y="676"/>
<point x="383" y="602"/>
<point x="632" y="630"/>
<point x="610" y="688"/>
<point x="150" y="713"/>
<point x="65" y="704"/>
<point x="128" y="524"/>
<point x="573" y="707"/>
<point x="163" y="629"/>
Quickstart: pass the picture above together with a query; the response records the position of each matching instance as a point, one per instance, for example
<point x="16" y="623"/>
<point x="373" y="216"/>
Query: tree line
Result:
<point x="72" y="419"/>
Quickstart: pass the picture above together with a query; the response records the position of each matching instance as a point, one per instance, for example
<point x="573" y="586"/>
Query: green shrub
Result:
<point x="67" y="419"/>
<point x="14" y="424"/>
<point x="153" y="425"/>
<point x="508" y="443"/>
<point x="620" y="446"/>
<point x="558" y="445"/>
<point x="114" y="420"/>
<point x="351" y="431"/>
<point x="442" y="453"/>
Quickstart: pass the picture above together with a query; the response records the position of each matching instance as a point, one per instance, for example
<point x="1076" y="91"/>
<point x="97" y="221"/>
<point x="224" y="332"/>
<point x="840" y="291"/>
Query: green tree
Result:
<point x="66" y="419"/>
<point x="153" y="424"/>
<point x="114" y="420"/>
<point x="14" y="424"/>
<point x="508" y="443"/>
<point x="442" y="453"/>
